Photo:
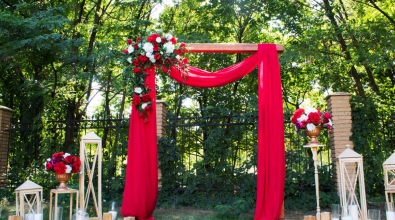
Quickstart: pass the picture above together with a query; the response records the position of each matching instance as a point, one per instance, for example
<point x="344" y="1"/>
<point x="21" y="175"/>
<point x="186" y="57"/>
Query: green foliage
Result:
<point x="373" y="137"/>
<point x="232" y="211"/>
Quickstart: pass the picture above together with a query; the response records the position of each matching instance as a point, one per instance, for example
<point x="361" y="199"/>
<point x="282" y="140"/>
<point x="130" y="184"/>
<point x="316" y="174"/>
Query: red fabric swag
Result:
<point x="141" y="174"/>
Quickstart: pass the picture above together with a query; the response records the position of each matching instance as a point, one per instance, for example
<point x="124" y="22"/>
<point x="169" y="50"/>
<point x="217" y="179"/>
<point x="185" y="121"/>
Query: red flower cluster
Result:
<point x="154" y="51"/>
<point x="310" y="118"/>
<point x="158" y="52"/>
<point x="62" y="163"/>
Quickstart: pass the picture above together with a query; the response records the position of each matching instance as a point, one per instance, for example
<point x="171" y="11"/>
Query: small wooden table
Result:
<point x="56" y="193"/>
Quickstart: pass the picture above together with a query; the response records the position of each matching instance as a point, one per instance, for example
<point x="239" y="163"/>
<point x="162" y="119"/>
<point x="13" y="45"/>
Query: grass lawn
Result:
<point x="179" y="213"/>
<point x="188" y="213"/>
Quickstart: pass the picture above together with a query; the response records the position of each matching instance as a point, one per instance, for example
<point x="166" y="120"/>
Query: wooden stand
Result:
<point x="56" y="193"/>
<point x="14" y="217"/>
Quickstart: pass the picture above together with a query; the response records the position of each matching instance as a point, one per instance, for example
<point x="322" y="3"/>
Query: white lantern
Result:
<point x="389" y="177"/>
<point x="91" y="161"/>
<point x="350" y="173"/>
<point x="28" y="197"/>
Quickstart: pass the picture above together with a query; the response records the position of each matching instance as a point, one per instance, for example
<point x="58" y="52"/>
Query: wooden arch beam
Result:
<point x="226" y="48"/>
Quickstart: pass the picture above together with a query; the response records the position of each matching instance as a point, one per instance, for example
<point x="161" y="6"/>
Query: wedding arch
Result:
<point x="141" y="186"/>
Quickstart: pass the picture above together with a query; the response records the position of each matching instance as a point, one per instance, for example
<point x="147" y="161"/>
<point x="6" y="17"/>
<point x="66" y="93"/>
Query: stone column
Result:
<point x="339" y="106"/>
<point x="161" y="107"/>
<point x="5" y="124"/>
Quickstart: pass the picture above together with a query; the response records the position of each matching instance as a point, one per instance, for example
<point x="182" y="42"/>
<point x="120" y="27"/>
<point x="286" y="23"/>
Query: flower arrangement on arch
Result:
<point x="62" y="163"/>
<point x="141" y="54"/>
<point x="310" y="118"/>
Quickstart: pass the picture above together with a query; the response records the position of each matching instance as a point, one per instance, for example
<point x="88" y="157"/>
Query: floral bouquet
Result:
<point x="310" y="118"/>
<point x="142" y="54"/>
<point x="62" y="163"/>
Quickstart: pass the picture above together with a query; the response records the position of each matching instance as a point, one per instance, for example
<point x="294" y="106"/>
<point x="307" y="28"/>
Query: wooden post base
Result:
<point x="15" y="217"/>
<point x="107" y="216"/>
<point x="129" y="218"/>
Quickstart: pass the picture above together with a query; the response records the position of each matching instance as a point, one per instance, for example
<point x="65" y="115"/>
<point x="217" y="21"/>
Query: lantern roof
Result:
<point x="28" y="185"/>
<point x="349" y="153"/>
<point x="390" y="160"/>
<point x="91" y="136"/>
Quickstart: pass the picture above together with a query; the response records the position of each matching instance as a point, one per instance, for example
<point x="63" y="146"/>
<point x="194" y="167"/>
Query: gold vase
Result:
<point x="313" y="136"/>
<point x="62" y="178"/>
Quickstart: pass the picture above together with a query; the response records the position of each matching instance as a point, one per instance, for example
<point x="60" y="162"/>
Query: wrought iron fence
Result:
<point x="205" y="144"/>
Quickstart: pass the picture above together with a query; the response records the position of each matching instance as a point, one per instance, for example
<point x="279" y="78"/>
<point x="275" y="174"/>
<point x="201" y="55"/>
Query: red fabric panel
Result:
<point x="271" y="153"/>
<point x="204" y="79"/>
<point x="141" y="174"/>
<point x="141" y="186"/>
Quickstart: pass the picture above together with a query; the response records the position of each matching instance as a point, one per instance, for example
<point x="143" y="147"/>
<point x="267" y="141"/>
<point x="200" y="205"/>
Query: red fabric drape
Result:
<point x="141" y="184"/>
<point x="271" y="158"/>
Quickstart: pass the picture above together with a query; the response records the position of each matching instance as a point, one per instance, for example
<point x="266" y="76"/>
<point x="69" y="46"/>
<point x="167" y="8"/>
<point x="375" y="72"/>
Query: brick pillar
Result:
<point x="5" y="122"/>
<point x="161" y="107"/>
<point x="339" y="106"/>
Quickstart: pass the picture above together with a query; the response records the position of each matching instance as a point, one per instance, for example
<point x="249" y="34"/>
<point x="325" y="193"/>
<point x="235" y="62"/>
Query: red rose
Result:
<point x="129" y="41"/>
<point x="164" y="69"/>
<point x="137" y="70"/>
<point x="314" y="117"/>
<point x="179" y="52"/>
<point x="57" y="156"/>
<point x="48" y="166"/>
<point x="136" y="46"/>
<point x="183" y="44"/>
<point x="156" y="47"/>
<point x="68" y="160"/>
<point x="125" y="51"/>
<point x="146" y="98"/>
<point x="138" y="39"/>
<point x="185" y="61"/>
<point x="157" y="56"/>
<point x="327" y="115"/>
<point x="143" y="59"/>
<point x="76" y="167"/>
<point x="173" y="40"/>
<point x="296" y="115"/>
<point x="60" y="168"/>
<point x="136" y="100"/>
<point x="136" y="62"/>
<point x="148" y="108"/>
<point x="152" y="38"/>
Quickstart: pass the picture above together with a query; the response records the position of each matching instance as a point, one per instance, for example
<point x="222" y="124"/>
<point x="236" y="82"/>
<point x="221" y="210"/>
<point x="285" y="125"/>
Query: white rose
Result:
<point x="148" y="47"/>
<point x="144" y="105"/>
<point x="68" y="169"/>
<point x="129" y="60"/>
<point x="302" y="118"/>
<point x="310" y="126"/>
<point x="309" y="110"/>
<point x="158" y="40"/>
<point x="49" y="159"/>
<point x="178" y="57"/>
<point x="151" y="57"/>
<point x="168" y="37"/>
<point x="66" y="155"/>
<point x="130" y="49"/>
<point x="169" y="47"/>
<point x="138" y="90"/>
